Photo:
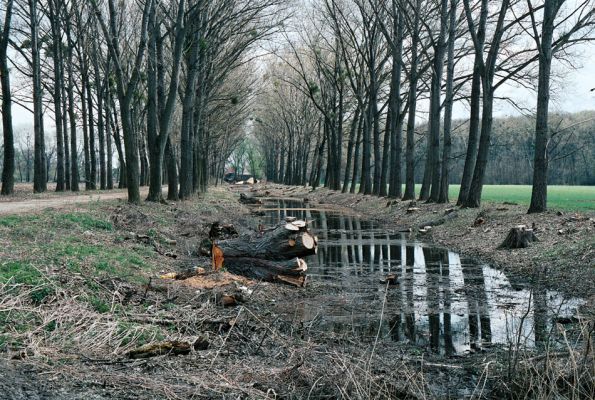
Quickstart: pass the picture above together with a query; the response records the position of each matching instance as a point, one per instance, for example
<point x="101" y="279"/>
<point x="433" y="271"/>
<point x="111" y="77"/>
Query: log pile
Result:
<point x="519" y="237"/>
<point x="272" y="255"/>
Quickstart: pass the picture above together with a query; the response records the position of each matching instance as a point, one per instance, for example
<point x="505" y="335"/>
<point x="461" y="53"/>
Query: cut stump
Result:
<point x="518" y="237"/>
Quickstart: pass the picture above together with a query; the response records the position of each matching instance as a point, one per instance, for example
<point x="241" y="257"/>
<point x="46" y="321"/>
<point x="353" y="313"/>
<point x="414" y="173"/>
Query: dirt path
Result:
<point x="21" y="206"/>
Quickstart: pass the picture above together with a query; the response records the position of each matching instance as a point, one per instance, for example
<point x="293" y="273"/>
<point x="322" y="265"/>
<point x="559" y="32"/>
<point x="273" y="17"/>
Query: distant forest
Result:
<point x="572" y="151"/>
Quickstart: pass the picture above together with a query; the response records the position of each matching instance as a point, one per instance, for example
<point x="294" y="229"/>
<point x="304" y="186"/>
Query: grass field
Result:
<point x="559" y="197"/>
<point x="572" y="198"/>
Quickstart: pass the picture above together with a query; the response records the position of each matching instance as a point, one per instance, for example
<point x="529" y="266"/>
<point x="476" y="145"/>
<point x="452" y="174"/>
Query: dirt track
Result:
<point x="21" y="206"/>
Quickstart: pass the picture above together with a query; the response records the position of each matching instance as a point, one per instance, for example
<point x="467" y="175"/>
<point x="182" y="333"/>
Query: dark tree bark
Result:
<point x="39" y="162"/>
<point x="351" y="143"/>
<point x="7" y="129"/>
<point x="540" y="163"/>
<point x="74" y="173"/>
<point x="159" y="139"/>
<point x="57" y="95"/>
<point x="412" y="101"/>
<point x="488" y="70"/>
<point x="187" y="144"/>
<point x="438" y="72"/>
<point x="448" y="103"/>
<point x="475" y="108"/>
<point x="396" y="118"/>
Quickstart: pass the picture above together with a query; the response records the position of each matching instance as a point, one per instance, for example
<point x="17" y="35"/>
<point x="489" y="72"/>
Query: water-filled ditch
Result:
<point x="441" y="301"/>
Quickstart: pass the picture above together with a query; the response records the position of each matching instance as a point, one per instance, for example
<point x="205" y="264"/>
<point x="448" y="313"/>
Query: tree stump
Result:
<point x="518" y="237"/>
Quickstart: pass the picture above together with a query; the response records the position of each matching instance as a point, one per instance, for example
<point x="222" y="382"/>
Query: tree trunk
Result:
<point x="9" y="153"/>
<point x="39" y="162"/>
<point x="74" y="175"/>
<point x="448" y="104"/>
<point x="396" y="137"/>
<point x="540" y="164"/>
<point x="410" y="146"/>
<point x="358" y="140"/>
<point x="435" y="112"/>
<point x="57" y="96"/>
<point x="186" y="147"/>
<point x="350" y="145"/>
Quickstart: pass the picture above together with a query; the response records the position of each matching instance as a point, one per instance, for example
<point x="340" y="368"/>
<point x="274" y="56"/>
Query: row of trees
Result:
<point x="166" y="83"/>
<point x="344" y="95"/>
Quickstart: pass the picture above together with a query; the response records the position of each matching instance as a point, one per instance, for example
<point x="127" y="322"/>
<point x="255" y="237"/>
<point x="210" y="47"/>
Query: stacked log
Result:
<point x="271" y="255"/>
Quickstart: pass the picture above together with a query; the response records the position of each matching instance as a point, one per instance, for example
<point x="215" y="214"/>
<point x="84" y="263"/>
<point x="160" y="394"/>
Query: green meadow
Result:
<point x="570" y="198"/>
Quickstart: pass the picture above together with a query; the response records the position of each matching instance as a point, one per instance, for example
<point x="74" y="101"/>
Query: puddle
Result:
<point x="441" y="301"/>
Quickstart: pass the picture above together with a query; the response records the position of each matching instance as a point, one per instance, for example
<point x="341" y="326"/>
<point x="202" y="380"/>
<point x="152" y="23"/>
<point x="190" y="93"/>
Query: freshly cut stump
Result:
<point x="519" y="237"/>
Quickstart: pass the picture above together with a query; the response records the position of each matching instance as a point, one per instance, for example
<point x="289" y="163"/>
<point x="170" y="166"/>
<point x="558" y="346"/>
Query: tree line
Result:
<point x="343" y="97"/>
<point x="166" y="83"/>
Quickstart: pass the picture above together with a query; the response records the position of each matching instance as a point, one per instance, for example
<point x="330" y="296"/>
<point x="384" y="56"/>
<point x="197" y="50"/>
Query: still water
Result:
<point x="441" y="301"/>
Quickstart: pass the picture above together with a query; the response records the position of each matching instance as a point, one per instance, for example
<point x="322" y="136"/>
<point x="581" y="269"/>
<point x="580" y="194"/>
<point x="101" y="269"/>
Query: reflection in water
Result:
<point x="441" y="302"/>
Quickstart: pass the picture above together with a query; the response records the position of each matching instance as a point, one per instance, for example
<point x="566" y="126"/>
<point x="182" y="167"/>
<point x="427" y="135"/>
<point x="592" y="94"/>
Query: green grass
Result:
<point x="17" y="272"/>
<point x="574" y="198"/>
<point x="570" y="198"/>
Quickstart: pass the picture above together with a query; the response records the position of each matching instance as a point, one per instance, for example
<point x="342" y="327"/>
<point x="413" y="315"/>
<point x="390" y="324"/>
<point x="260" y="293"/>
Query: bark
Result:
<point x="57" y="96"/>
<point x="7" y="129"/>
<point x="291" y="271"/>
<point x="158" y="139"/>
<point x="186" y="147"/>
<point x="74" y="174"/>
<point x="350" y="149"/>
<point x="172" y="172"/>
<point x="84" y="115"/>
<point x="282" y="242"/>
<point x="448" y="104"/>
<point x="488" y="70"/>
<point x="92" y="154"/>
<point x="518" y="237"/>
<point x="100" y="120"/>
<point x="475" y="108"/>
<point x="396" y="125"/>
<point x="435" y="110"/>
<point x="358" y="140"/>
<point x="413" y="77"/>
<point x="540" y="164"/>
<point x="39" y="162"/>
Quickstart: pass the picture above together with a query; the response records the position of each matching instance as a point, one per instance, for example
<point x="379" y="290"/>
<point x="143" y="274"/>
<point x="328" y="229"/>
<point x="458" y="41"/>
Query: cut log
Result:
<point x="281" y="243"/>
<point x="288" y="271"/>
<point x="245" y="199"/>
<point x="518" y="237"/>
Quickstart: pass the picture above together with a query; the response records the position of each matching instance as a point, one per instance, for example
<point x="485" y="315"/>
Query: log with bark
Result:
<point x="287" y="271"/>
<point x="519" y="237"/>
<point x="270" y="255"/>
<point x="285" y="241"/>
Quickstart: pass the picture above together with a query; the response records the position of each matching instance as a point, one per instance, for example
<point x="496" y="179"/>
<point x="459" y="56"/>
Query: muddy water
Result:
<point x="442" y="301"/>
